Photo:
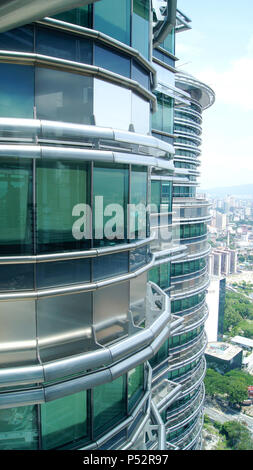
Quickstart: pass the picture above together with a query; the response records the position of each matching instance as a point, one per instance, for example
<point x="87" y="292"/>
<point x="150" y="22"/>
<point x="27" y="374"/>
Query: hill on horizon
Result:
<point x="222" y="191"/>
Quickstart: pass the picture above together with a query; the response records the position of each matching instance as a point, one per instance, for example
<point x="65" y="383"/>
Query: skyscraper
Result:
<point x="102" y="307"/>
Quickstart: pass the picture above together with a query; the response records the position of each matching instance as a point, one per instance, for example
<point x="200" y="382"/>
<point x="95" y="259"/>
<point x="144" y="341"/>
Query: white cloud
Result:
<point x="234" y="85"/>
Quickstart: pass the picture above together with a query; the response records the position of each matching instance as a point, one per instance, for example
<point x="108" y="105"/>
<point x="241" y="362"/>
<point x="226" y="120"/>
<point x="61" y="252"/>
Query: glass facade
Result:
<point x="109" y="405"/>
<point x="163" y="117"/>
<point x="61" y="185"/>
<point x="140" y="26"/>
<point x="16" y="91"/>
<point x="16" y="215"/>
<point x="110" y="183"/>
<point x="81" y="16"/>
<point x="113" y="18"/>
<point x="18" y="428"/>
<point x="64" y="420"/>
<point x="74" y="286"/>
<point x="63" y="96"/>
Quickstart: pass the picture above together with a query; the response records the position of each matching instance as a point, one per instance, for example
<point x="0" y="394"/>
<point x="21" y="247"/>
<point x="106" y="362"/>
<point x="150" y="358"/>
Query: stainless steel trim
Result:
<point x="64" y="64"/>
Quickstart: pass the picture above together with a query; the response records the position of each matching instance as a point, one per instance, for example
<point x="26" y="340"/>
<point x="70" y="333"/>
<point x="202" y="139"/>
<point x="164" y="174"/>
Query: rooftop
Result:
<point x="242" y="341"/>
<point x="224" y="351"/>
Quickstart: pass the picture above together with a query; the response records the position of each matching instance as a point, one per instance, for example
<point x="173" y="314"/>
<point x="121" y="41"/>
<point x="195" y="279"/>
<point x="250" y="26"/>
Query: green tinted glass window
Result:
<point x="109" y="405"/>
<point x="112" y="17"/>
<point x="18" y="428"/>
<point x="61" y="185"/>
<point x="110" y="191"/>
<point x="16" y="91"/>
<point x="156" y="195"/>
<point x="16" y="206"/>
<point x="169" y="42"/>
<point x="161" y="355"/>
<point x="138" y="197"/>
<point x="135" y="385"/>
<point x="154" y="275"/>
<point x="164" y="275"/>
<point x="64" y="420"/>
<point x="140" y="26"/>
<point x="162" y="119"/>
<point x="81" y="16"/>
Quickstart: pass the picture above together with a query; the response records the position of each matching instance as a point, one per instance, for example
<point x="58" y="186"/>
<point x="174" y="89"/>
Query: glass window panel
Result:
<point x="115" y="98"/>
<point x="109" y="401"/>
<point x="16" y="91"/>
<point x="140" y="117"/>
<point x="140" y="75"/>
<point x="156" y="194"/>
<point x="138" y="193"/>
<point x="61" y="273"/>
<point x="110" y="265"/>
<point x="63" y="96"/>
<point x="154" y="275"/>
<point x="168" y="110"/>
<point x="18" y="428"/>
<point x="19" y="39"/>
<point x="164" y="276"/>
<point x="113" y="18"/>
<point x="135" y="385"/>
<point x="16" y="276"/>
<point x="112" y="60"/>
<point x="15" y="207"/>
<point x="140" y="26"/>
<point x="81" y="16"/>
<point x="169" y="42"/>
<point x="64" y="420"/>
<point x="138" y="290"/>
<point x="138" y="258"/>
<point x="157" y="117"/>
<point x="55" y="43"/>
<point x="110" y="182"/>
<point x="60" y="186"/>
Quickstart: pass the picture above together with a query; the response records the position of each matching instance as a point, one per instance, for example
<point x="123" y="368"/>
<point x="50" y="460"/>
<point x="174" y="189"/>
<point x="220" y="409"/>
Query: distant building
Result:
<point x="245" y="343"/>
<point x="221" y="221"/>
<point x="222" y="262"/>
<point x="216" y="305"/>
<point x="223" y="356"/>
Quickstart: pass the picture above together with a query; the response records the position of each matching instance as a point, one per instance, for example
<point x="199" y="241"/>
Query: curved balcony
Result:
<point x="190" y="112"/>
<point x="189" y="436"/>
<point x="187" y="123"/>
<point x="192" y="381"/>
<point x="195" y="319"/>
<point x="198" y="249"/>
<point x="140" y="344"/>
<point x="188" y="355"/>
<point x="190" y="286"/>
<point x="191" y="136"/>
<point x="178" y="419"/>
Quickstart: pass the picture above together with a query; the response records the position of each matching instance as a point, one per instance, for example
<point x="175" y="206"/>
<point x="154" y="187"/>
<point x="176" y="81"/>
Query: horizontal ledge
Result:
<point x="91" y="380"/>
<point x="32" y="58"/>
<point x="97" y="35"/>
<point x="72" y="153"/>
<point x="49" y="129"/>
<point x="73" y="289"/>
<point x="92" y="253"/>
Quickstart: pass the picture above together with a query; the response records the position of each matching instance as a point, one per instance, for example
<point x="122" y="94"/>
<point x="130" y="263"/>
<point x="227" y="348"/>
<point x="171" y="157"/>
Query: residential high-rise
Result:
<point x="102" y="308"/>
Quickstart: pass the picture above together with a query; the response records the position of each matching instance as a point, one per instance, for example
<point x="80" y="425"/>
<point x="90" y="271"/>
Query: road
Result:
<point x="222" y="417"/>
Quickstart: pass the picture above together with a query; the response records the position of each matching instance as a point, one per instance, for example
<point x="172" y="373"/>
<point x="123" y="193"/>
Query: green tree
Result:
<point x="237" y="435"/>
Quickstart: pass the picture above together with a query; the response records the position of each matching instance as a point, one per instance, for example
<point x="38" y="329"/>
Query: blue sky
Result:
<point x="219" y="51"/>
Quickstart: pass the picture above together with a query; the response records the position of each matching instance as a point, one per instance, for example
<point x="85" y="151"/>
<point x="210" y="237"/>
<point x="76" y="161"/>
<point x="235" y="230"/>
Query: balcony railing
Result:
<point x="189" y="354"/>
